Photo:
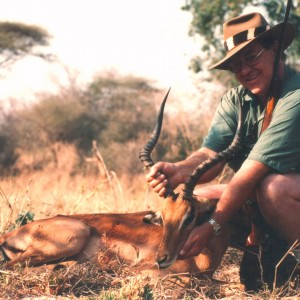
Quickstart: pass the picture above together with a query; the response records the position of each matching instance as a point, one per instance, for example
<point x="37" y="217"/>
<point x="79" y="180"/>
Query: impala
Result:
<point x="98" y="237"/>
<point x="134" y="237"/>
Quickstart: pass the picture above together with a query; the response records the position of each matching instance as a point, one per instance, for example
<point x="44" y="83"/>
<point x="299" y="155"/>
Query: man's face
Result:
<point x="253" y="68"/>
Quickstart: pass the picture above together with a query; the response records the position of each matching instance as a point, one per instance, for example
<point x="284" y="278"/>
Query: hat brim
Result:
<point x="275" y="31"/>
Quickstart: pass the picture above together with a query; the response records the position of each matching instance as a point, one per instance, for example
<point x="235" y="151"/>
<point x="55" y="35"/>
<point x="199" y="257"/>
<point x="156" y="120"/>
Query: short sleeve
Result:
<point x="279" y="145"/>
<point x="224" y="122"/>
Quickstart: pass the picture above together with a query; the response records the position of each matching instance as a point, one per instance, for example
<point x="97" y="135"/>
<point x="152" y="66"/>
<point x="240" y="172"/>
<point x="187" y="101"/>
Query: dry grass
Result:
<point x="54" y="191"/>
<point x="87" y="281"/>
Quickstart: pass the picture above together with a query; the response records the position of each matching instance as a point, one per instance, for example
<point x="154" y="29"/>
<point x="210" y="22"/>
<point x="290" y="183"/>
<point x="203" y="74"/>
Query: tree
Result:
<point x="208" y="17"/>
<point x="113" y="110"/>
<point x="18" y="40"/>
<point x="122" y="105"/>
<point x="276" y="10"/>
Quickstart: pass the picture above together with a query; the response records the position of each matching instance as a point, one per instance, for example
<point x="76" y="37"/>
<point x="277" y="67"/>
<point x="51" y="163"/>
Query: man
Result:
<point x="269" y="165"/>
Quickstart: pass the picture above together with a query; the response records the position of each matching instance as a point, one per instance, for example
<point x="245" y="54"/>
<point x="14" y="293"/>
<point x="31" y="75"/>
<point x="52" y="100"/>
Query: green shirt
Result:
<point x="279" y="145"/>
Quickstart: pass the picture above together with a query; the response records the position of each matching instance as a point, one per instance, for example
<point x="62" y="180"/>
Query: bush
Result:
<point x="8" y="155"/>
<point x="119" y="113"/>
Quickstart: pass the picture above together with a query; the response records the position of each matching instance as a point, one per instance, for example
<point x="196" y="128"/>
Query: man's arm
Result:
<point x="242" y="185"/>
<point x="240" y="188"/>
<point x="194" y="160"/>
<point x="173" y="174"/>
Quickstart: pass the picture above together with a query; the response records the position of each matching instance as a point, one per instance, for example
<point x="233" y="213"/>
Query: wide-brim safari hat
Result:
<point x="242" y="31"/>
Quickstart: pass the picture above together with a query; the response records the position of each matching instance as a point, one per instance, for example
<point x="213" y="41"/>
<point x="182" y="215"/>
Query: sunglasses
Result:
<point x="250" y="60"/>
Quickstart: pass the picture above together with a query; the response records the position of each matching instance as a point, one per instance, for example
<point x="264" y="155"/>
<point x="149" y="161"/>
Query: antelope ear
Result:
<point x="206" y="204"/>
<point x="153" y="218"/>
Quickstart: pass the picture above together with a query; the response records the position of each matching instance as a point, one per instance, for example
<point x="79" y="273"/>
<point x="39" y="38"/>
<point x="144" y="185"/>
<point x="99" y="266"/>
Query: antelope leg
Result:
<point x="45" y="240"/>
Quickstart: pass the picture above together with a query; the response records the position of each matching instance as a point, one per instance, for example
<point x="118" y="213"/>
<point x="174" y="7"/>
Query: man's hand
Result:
<point x="161" y="175"/>
<point x="196" y="241"/>
<point x="173" y="174"/>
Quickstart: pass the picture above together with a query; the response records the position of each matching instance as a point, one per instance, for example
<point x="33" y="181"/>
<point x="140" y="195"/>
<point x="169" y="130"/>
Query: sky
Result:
<point x="147" y="38"/>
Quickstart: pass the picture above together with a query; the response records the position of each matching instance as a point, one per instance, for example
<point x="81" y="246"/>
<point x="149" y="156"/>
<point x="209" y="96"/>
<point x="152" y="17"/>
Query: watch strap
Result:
<point x="216" y="226"/>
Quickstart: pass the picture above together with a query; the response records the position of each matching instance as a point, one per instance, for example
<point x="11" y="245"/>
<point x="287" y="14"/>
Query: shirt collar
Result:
<point x="247" y="95"/>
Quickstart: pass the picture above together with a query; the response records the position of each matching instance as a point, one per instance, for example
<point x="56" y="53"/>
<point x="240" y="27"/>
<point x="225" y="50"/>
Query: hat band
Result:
<point x="244" y="36"/>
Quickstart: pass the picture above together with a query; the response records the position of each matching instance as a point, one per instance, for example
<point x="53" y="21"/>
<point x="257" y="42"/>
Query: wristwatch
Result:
<point x="216" y="226"/>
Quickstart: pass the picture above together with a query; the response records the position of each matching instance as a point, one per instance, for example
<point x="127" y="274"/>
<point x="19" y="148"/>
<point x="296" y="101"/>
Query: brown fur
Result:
<point x="100" y="237"/>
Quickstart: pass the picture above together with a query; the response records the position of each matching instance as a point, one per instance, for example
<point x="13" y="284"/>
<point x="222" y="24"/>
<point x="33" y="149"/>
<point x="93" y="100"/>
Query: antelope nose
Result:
<point x="161" y="260"/>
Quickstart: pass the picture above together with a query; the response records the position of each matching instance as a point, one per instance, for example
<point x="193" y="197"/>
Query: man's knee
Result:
<point x="271" y="189"/>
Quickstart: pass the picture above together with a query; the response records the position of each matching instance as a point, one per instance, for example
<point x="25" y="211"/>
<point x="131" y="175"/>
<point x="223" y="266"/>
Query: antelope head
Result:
<point x="178" y="217"/>
<point x="182" y="212"/>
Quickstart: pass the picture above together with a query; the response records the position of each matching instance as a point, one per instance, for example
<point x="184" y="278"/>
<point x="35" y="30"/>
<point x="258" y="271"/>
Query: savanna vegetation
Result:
<point x="76" y="151"/>
<point x="49" y="166"/>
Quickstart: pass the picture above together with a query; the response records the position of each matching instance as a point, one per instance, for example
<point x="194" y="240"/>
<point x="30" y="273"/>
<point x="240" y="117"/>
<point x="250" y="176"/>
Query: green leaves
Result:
<point x="22" y="219"/>
<point x="208" y="17"/>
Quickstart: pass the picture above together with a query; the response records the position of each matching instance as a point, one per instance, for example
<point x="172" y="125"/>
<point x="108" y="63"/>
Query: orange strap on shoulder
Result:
<point x="268" y="114"/>
<point x="254" y="236"/>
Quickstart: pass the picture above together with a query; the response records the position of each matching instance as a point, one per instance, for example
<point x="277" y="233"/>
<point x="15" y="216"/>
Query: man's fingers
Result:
<point x="195" y="242"/>
<point x="160" y="186"/>
<point x="162" y="192"/>
<point x="155" y="176"/>
<point x="188" y="245"/>
<point x="155" y="170"/>
<point x="157" y="181"/>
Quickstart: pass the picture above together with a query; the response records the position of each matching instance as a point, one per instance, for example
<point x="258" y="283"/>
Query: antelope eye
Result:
<point x="188" y="220"/>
